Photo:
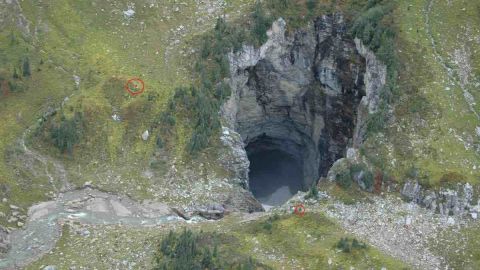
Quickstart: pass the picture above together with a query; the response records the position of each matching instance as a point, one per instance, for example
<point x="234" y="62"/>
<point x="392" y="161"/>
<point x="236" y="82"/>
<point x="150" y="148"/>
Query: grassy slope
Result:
<point x="96" y="42"/>
<point x="293" y="242"/>
<point x="434" y="130"/>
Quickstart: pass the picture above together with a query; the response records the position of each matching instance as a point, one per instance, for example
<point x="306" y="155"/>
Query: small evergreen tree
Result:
<point x="311" y="4"/>
<point x="368" y="179"/>
<point x="15" y="74"/>
<point x="344" y="179"/>
<point x="260" y="24"/>
<point x="344" y="245"/>
<point x="313" y="192"/>
<point x="13" y="39"/>
<point x="26" y="67"/>
<point x="207" y="260"/>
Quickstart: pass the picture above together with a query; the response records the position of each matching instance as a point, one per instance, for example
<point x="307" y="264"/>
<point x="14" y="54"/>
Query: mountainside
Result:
<point x="372" y="100"/>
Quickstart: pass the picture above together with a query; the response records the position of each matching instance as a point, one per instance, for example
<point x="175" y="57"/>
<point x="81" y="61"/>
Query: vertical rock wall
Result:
<point x="299" y="93"/>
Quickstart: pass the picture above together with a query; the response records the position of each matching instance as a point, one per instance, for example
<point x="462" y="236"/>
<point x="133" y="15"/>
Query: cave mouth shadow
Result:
<point x="275" y="176"/>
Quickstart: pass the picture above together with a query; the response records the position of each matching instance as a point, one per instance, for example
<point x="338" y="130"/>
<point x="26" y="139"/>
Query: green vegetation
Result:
<point x="104" y="59"/>
<point x="366" y="176"/>
<point x="189" y="251"/>
<point x="348" y="245"/>
<point x="374" y="26"/>
<point x="201" y="102"/>
<point x="261" y="23"/>
<point x="431" y="123"/>
<point x="312" y="192"/>
<point x="344" y="179"/>
<point x="304" y="238"/>
<point x="268" y="224"/>
<point x="26" y="68"/>
<point x="67" y="133"/>
<point x="451" y="180"/>
<point x="347" y="174"/>
<point x="181" y="252"/>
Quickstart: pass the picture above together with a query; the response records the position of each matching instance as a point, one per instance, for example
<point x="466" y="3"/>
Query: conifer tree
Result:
<point x="26" y="67"/>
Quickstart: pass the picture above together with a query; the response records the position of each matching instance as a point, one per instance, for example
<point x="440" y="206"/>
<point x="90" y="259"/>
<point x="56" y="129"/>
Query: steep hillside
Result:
<point x="435" y="128"/>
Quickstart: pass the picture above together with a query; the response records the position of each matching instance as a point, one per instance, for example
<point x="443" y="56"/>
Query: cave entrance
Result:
<point x="276" y="169"/>
<point x="275" y="176"/>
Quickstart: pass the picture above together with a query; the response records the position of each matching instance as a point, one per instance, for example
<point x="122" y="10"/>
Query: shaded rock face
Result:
<point x="298" y="94"/>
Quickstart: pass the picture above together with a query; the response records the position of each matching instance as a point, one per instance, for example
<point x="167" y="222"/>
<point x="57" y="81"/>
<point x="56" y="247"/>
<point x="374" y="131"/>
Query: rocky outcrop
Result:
<point x="242" y="200"/>
<point x="298" y="93"/>
<point x="375" y="79"/>
<point x="4" y="241"/>
<point x="235" y="159"/>
<point x="458" y="201"/>
<point x="11" y="13"/>
<point x="375" y="76"/>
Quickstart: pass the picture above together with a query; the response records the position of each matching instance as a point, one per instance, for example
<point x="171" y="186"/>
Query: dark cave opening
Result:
<point x="276" y="169"/>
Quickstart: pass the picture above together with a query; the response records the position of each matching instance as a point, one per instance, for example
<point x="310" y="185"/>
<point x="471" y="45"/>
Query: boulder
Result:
<point x="181" y="213"/>
<point x="211" y="214"/>
<point x="145" y="135"/>
<point x="243" y="200"/>
<point x="412" y="191"/>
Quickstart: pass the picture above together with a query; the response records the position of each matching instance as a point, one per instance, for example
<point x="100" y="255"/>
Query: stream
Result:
<point x="87" y="206"/>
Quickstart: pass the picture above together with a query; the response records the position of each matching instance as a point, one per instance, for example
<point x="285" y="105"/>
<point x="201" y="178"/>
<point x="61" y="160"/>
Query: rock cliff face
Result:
<point x="299" y="93"/>
<point x="458" y="201"/>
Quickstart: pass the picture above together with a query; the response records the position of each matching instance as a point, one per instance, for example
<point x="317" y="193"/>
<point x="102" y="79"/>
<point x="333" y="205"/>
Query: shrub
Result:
<point x="367" y="175"/>
<point x="15" y="74"/>
<point x="349" y="245"/>
<point x="26" y="67"/>
<point x="344" y="179"/>
<point x="451" y="179"/>
<point x="267" y="225"/>
<point x="261" y="23"/>
<point x="160" y="144"/>
<point x="278" y="4"/>
<point x="378" y="180"/>
<point x="343" y="245"/>
<point x="313" y="192"/>
<point x="312" y="4"/>
<point x="376" y="121"/>
<point x="368" y="179"/>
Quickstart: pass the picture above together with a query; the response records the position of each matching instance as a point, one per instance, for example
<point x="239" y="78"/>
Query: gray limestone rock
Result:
<point x="412" y="191"/>
<point x="4" y="240"/>
<point x="298" y="92"/>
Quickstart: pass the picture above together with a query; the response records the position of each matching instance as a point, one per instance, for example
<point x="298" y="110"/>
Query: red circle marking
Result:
<point x="135" y="82"/>
<point x="299" y="210"/>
